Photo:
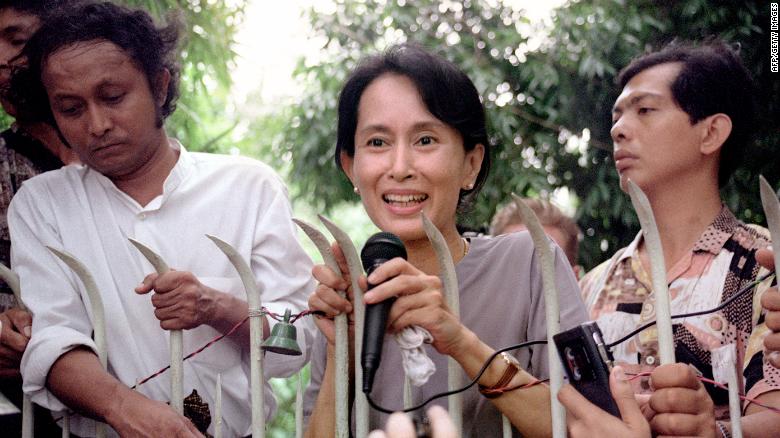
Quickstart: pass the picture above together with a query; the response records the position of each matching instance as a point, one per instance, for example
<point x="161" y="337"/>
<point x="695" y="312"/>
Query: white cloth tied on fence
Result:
<point x="417" y="365"/>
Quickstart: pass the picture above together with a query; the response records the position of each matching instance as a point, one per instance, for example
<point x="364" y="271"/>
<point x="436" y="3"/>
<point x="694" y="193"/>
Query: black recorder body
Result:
<point x="587" y="362"/>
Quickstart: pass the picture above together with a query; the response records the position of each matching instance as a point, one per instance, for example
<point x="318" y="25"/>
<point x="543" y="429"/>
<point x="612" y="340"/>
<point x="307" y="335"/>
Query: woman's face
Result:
<point x="407" y="161"/>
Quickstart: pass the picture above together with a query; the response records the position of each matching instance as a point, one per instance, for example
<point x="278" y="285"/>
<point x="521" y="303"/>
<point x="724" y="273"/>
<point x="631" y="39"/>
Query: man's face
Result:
<point x="104" y="106"/>
<point x="655" y="143"/>
<point x="15" y="29"/>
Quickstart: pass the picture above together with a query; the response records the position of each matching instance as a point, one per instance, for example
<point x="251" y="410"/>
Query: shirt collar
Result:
<point x="718" y="232"/>
<point x="711" y="240"/>
<point x="179" y="172"/>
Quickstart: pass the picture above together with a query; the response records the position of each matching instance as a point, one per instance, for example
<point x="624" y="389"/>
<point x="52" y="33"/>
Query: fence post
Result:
<point x="551" y="312"/>
<point x="176" y="341"/>
<point x="452" y="294"/>
<point x="98" y="314"/>
<point x="342" y="335"/>
<point x="255" y="334"/>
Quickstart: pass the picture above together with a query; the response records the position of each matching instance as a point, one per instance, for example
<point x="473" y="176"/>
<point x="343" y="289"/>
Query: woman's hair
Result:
<point x="447" y="92"/>
<point x="152" y="49"/>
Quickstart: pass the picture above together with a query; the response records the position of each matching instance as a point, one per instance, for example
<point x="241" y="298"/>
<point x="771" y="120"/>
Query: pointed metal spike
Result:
<point x="355" y="271"/>
<point x="657" y="272"/>
<point x="772" y="212"/>
<point x="12" y="280"/>
<point x="157" y="262"/>
<point x="552" y="312"/>
<point x="342" y="341"/>
<point x="255" y="333"/>
<point x="98" y="313"/>
<point x="452" y="294"/>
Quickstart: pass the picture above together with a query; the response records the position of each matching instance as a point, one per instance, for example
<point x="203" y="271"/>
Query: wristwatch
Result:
<point x="513" y="367"/>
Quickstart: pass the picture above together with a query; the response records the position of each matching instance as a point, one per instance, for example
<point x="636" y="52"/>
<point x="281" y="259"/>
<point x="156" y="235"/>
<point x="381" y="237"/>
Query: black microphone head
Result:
<point x="381" y="247"/>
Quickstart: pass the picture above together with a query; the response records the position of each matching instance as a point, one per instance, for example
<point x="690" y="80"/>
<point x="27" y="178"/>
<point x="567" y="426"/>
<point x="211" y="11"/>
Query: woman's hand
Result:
<point x="420" y="301"/>
<point x="327" y="298"/>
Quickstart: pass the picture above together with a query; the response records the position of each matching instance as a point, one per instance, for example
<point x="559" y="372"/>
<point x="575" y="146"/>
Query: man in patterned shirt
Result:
<point x="679" y="126"/>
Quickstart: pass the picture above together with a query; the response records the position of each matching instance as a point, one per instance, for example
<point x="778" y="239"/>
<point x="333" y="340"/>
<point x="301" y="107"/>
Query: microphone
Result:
<point x="379" y="248"/>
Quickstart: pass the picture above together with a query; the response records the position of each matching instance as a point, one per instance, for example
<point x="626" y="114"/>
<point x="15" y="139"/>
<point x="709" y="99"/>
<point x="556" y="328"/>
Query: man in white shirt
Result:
<point x="105" y="77"/>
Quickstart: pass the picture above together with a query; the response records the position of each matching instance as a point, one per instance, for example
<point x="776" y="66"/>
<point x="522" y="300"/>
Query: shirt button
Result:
<point x="650" y="360"/>
<point x="142" y="216"/>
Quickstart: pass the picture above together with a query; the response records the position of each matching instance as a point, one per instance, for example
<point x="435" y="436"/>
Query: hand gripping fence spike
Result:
<point x="655" y="253"/>
<point x="176" y="347"/>
<point x="98" y="313"/>
<point x="355" y="271"/>
<point x="342" y="346"/>
<point x="452" y="294"/>
<point x="28" y="416"/>
<point x="551" y="311"/>
<point x="255" y="333"/>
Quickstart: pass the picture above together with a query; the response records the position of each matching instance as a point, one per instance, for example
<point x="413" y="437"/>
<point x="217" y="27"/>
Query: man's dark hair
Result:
<point x="152" y="49"/>
<point x="445" y="90"/>
<point x="712" y="80"/>
<point x="39" y="8"/>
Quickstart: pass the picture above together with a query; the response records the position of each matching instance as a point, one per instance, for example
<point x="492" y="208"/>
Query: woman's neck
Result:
<point x="421" y="254"/>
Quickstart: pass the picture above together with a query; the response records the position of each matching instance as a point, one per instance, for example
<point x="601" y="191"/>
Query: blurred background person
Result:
<point x="559" y="227"/>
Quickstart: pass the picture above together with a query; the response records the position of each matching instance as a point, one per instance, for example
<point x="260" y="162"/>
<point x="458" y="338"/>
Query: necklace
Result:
<point x="465" y="247"/>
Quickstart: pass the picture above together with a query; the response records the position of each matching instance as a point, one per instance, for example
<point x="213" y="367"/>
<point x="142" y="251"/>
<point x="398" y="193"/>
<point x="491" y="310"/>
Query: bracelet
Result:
<point x="724" y="431"/>
<point x="513" y="367"/>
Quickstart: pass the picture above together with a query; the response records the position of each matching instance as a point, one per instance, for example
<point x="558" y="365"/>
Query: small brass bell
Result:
<point x="283" y="338"/>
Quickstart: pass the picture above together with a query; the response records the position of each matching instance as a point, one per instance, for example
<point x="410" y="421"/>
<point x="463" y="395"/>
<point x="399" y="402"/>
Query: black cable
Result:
<point x="741" y="292"/>
<point x="455" y="391"/>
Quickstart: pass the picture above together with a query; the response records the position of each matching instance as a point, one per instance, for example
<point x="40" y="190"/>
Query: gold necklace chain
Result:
<point x="465" y="247"/>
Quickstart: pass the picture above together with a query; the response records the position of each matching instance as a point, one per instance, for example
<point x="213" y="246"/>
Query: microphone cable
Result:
<point x="455" y="391"/>
<point x="731" y="299"/>
<point x="484" y="368"/>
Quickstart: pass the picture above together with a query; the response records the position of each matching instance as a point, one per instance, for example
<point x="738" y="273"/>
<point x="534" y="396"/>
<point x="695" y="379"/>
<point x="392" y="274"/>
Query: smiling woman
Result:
<point x="412" y="139"/>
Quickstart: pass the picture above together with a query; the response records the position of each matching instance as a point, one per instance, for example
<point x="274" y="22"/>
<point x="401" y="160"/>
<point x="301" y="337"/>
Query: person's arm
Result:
<point x="322" y="422"/>
<point x="15" y="330"/>
<point x="78" y="380"/>
<point x="420" y="301"/>
<point x="182" y="302"/>
<point x="528" y="409"/>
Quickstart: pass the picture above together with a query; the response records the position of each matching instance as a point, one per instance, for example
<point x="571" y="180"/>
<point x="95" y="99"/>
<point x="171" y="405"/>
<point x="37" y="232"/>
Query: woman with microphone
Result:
<point x="411" y="139"/>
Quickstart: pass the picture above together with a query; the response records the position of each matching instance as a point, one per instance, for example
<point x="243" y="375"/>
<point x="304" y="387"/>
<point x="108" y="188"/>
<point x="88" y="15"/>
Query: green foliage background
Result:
<point x="547" y="89"/>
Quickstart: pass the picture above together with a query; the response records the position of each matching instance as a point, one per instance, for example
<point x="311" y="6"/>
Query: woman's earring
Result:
<point x="469" y="186"/>
<point x="356" y="190"/>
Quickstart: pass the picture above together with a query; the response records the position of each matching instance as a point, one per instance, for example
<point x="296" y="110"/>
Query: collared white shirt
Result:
<point x="76" y="209"/>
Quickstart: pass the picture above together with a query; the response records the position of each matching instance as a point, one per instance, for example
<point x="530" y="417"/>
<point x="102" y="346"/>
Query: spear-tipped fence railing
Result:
<point x="662" y="305"/>
<point x="98" y="314"/>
